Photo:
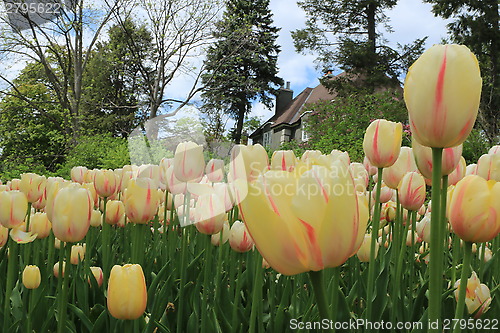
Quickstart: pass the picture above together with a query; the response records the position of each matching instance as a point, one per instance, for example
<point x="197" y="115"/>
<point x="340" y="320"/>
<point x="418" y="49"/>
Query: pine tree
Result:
<point x="476" y="24"/>
<point x="242" y="64"/>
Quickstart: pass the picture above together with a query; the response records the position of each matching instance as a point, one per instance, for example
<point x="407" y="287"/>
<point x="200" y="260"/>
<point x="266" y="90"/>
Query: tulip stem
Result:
<point x="181" y="300"/>
<point x="319" y="293"/>
<point x="437" y="243"/>
<point x="27" y="246"/>
<point x="257" y="290"/>
<point x="373" y="263"/>
<point x="464" y="279"/>
<point x="105" y="244"/>
<point x="11" y="277"/>
<point x="64" y="275"/>
<point x="207" y="270"/>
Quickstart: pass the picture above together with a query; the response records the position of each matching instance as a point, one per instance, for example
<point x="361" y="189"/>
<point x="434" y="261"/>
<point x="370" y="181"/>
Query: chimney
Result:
<point x="283" y="99"/>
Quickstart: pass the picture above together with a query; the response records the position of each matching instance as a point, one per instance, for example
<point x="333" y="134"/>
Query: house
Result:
<point x="290" y="113"/>
<point x="287" y="122"/>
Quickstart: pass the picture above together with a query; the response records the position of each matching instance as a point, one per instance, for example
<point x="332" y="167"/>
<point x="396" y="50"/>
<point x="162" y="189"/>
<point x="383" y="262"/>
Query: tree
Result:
<point x="476" y="25"/>
<point x="242" y="64"/>
<point x="344" y="33"/>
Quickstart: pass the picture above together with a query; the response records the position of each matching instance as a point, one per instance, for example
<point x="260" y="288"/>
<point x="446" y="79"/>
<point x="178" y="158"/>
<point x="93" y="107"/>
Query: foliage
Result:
<point x="476" y="25"/>
<point x="242" y="63"/>
<point x="341" y="123"/>
<point x="100" y="151"/>
<point x="345" y="34"/>
<point x="476" y="145"/>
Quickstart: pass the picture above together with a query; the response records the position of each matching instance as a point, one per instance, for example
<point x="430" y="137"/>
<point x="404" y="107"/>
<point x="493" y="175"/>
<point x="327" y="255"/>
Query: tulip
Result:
<point x="78" y="174"/>
<point x="32" y="185"/>
<point x="360" y="176"/>
<point x="97" y="273"/>
<point x="56" y="269"/>
<point x="77" y="253"/>
<point x="13" y="208"/>
<point x="72" y="213"/>
<point x="215" y="239"/>
<point x="382" y="142"/>
<point x="247" y="162"/>
<point x="310" y="155"/>
<point x="477" y="295"/>
<point x="105" y="183"/>
<point x="411" y="191"/>
<point x="424" y="228"/>
<point x="141" y="200"/>
<point x="363" y="253"/>
<point x="174" y="185"/>
<point x="189" y="162"/>
<point x="471" y="169"/>
<point x="423" y="158"/>
<point x="369" y="167"/>
<point x="405" y="163"/>
<point x="385" y="193"/>
<point x="308" y="221"/>
<point x="115" y="211"/>
<point x="210" y="214"/>
<point x="215" y="170"/>
<point x="494" y="150"/>
<point x="131" y="304"/>
<point x="458" y="173"/>
<point x="15" y="184"/>
<point x="343" y="156"/>
<point x="40" y="225"/>
<point x="223" y="190"/>
<point x="4" y="234"/>
<point x="95" y="218"/>
<point x="474" y="210"/>
<point x="283" y="160"/>
<point x="442" y="92"/>
<point x="31" y="277"/>
<point x="239" y="238"/>
<point x="488" y="167"/>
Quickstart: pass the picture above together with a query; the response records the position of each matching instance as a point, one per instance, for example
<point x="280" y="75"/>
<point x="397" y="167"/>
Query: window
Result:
<point x="305" y="136"/>
<point x="266" y="139"/>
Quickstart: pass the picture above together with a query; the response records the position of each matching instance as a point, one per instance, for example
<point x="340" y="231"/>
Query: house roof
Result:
<point x="294" y="110"/>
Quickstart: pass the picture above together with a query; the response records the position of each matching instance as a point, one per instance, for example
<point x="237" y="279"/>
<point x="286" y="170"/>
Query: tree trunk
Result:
<point x="239" y="123"/>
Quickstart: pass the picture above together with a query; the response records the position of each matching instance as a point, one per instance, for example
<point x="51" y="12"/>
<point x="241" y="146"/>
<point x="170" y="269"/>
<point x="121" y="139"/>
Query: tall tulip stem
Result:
<point x="464" y="277"/>
<point x="257" y="290"/>
<point x="319" y="293"/>
<point x="105" y="244"/>
<point x="63" y="298"/>
<point x="437" y="243"/>
<point x="373" y="264"/>
<point x="11" y="277"/>
<point x="206" y="287"/>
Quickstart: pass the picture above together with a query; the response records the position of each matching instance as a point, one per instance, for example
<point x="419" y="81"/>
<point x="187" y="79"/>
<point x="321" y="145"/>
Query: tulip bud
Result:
<point x="385" y="193"/>
<point x="56" y="269"/>
<point x="32" y="185"/>
<point x="477" y="297"/>
<point x="97" y="273"/>
<point x="77" y="253"/>
<point x="4" y="234"/>
<point x="424" y="228"/>
<point x="405" y="163"/>
<point x="13" y="208"/>
<point x="40" y="225"/>
<point x="474" y="210"/>
<point x="247" y="162"/>
<point x="458" y="173"/>
<point x="239" y="238"/>
<point x="128" y="305"/>
<point x="364" y="251"/>
<point x="283" y="160"/>
<point x="215" y="239"/>
<point x="215" y="170"/>
<point x="95" y="218"/>
<point x="115" y="210"/>
<point x="141" y="200"/>
<point x="15" y="184"/>
<point x="488" y="167"/>
<point x="442" y="92"/>
<point x="210" y="214"/>
<point x="72" y="213"/>
<point x="31" y="277"/>
<point x="78" y="174"/>
<point x="105" y="183"/>
<point x="423" y="158"/>
<point x="382" y="142"/>
<point x="411" y="191"/>
<point x="369" y="167"/>
<point x="189" y="162"/>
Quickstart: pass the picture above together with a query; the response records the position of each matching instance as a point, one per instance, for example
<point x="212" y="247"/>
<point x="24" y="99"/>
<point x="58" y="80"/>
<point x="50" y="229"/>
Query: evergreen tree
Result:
<point x="242" y="64"/>
<point x="476" y="25"/>
<point x="344" y="35"/>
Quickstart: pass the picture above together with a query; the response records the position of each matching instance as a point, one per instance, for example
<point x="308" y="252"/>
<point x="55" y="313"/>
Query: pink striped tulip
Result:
<point x="474" y="210"/>
<point x="423" y="158"/>
<point x="411" y="191"/>
<point x="458" y="173"/>
<point x="308" y="221"/>
<point x="33" y="186"/>
<point x="189" y="163"/>
<point x="105" y="183"/>
<point x="78" y="174"/>
<point x="442" y="92"/>
<point x="115" y="211"/>
<point x="215" y="170"/>
<point x="283" y="160"/>
<point x="209" y="214"/>
<point x="40" y="225"/>
<point x="382" y="142"/>
<point x="13" y="208"/>
<point x="405" y="163"/>
<point x="141" y="200"/>
<point x="488" y="167"/>
<point x="477" y="297"/>
<point x="248" y="162"/>
<point x="239" y="238"/>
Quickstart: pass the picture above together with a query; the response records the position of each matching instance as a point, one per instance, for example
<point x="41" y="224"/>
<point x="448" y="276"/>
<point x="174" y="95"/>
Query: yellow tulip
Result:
<point x="72" y="213"/>
<point x="97" y="273"/>
<point x="423" y="158"/>
<point x="15" y="184"/>
<point x="31" y="277"/>
<point x="40" y="225"/>
<point x="115" y="210"/>
<point x="189" y="163"/>
<point x="141" y="200"/>
<point x="477" y="297"/>
<point x="411" y="191"/>
<point x="77" y="253"/>
<point x="247" y="162"/>
<point x="442" y="92"/>
<point x="209" y="214"/>
<point x="405" y="163"/>
<point x="127" y="296"/>
<point x="363" y="253"/>
<point x="32" y="185"/>
<point x="382" y="142"/>
<point x="13" y="208"/>
<point x="488" y="167"/>
<point x="105" y="183"/>
<point x="283" y="160"/>
<point x="4" y="234"/>
<point x="78" y="174"/>
<point x="458" y="173"/>
<point x="308" y="221"/>
<point x="474" y="210"/>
